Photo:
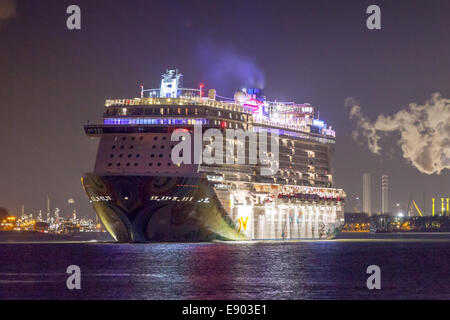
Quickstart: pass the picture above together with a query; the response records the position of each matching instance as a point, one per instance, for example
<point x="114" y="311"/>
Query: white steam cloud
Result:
<point x="424" y="132"/>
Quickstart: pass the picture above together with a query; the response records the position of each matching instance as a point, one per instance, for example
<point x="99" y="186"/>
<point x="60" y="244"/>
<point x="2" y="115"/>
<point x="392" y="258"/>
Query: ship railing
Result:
<point x="183" y="100"/>
<point x="272" y="123"/>
<point x="243" y="170"/>
<point x="181" y="93"/>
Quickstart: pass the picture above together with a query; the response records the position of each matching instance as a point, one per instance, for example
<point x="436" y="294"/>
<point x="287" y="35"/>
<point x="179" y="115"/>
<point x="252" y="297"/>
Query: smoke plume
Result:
<point x="226" y="65"/>
<point x="424" y="132"/>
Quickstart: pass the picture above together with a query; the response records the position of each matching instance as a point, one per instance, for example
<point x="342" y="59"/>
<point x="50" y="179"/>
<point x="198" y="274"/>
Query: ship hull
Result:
<point x="186" y="209"/>
<point x="155" y="208"/>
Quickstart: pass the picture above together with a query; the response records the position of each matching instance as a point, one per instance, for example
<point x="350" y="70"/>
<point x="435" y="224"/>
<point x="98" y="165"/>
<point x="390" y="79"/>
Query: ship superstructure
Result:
<point x="141" y="194"/>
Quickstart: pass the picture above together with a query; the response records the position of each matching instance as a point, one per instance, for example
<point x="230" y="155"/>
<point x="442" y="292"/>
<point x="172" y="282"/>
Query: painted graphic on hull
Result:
<point x="145" y="208"/>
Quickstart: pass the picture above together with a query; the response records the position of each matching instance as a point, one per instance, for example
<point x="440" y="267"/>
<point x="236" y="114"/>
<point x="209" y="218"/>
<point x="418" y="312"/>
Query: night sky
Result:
<point x="53" y="80"/>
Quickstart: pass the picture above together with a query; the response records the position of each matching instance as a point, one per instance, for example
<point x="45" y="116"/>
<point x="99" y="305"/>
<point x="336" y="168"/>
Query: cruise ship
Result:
<point x="147" y="187"/>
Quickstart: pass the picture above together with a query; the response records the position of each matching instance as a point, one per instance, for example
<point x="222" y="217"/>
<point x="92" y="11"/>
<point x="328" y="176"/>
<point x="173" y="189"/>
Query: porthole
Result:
<point x="141" y="138"/>
<point x="153" y="147"/>
<point x="121" y="147"/>
<point x="124" y="138"/>
<point x="152" y="156"/>
<point x="150" y="164"/>
<point x="138" y="155"/>
<point x="135" y="164"/>
<point x="118" y="164"/>
<point x="113" y="147"/>
<point x="169" y="164"/>
<point x="160" y="155"/>
<point x="159" y="164"/>
<point x="109" y="164"/>
<point x="155" y="138"/>
<point x="120" y="155"/>
<point x="162" y="147"/>
<point x="133" y="138"/>
<point x="111" y="156"/>
<point x="131" y="147"/>
<point x="129" y="155"/>
<point x="128" y="164"/>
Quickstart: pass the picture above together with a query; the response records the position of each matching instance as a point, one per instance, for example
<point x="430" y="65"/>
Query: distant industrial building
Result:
<point x="367" y="204"/>
<point x="385" y="194"/>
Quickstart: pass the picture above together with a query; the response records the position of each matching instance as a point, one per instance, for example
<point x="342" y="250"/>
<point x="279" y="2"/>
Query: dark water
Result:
<point x="301" y="270"/>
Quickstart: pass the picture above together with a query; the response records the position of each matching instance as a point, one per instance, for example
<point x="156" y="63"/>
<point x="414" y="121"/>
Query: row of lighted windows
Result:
<point x="171" y="111"/>
<point x="132" y="121"/>
<point x="135" y="121"/>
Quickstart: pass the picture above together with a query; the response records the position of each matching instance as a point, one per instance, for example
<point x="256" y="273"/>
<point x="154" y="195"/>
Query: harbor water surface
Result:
<point x="294" y="270"/>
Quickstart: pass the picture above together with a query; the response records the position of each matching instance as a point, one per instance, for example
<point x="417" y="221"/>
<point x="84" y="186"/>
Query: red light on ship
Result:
<point x="201" y="88"/>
